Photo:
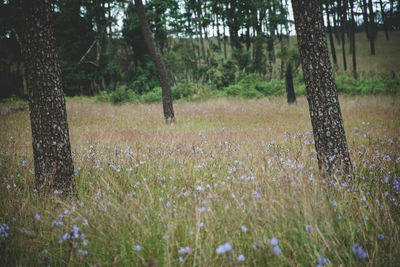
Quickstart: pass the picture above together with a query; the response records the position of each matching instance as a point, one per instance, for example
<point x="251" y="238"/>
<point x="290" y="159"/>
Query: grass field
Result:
<point x="233" y="182"/>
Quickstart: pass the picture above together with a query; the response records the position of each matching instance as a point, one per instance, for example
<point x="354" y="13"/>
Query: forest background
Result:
<point x="210" y="48"/>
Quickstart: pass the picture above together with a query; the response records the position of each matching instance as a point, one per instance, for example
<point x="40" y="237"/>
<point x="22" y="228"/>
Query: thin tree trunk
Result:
<point x="203" y="52"/>
<point x="158" y="62"/>
<point x="54" y="169"/>
<point x="333" y="50"/>
<point x="225" y="54"/>
<point x="342" y="10"/>
<point x="283" y="56"/>
<point x="335" y="26"/>
<point x="218" y="33"/>
<point x="326" y="117"/>
<point x="372" y="27"/>
<point x="353" y="39"/>
<point x="291" y="96"/>
<point x="365" y="17"/>
<point x="384" y="19"/>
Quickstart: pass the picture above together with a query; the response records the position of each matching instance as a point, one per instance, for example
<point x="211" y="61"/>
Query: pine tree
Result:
<point x="54" y="169"/>
<point x="325" y="113"/>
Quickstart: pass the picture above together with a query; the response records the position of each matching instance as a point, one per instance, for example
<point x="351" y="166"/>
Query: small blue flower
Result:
<point x="244" y="229"/>
<point x="381" y="236"/>
<point x="185" y="250"/>
<point x="276" y="250"/>
<point x="322" y="261"/>
<point x="222" y="249"/>
<point x="274" y="241"/>
<point x="359" y="251"/>
<point x="37" y="217"/>
<point x="241" y="257"/>
<point x="309" y="228"/>
<point x="137" y="248"/>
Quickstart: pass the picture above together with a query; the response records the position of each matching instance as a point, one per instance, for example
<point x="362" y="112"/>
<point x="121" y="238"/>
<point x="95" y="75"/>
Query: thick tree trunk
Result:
<point x="158" y="62"/>
<point x="54" y="169"/>
<point x="333" y="50"/>
<point x="326" y="117"/>
<point x="291" y="96"/>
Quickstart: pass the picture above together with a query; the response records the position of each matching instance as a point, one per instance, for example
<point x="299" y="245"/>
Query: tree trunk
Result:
<point x="291" y="96"/>
<point x="353" y="39"/>
<point x="203" y="52"/>
<point x="218" y="33"/>
<point x="372" y="30"/>
<point x="158" y="62"/>
<point x="54" y="169"/>
<point x="325" y="113"/>
<point x="335" y="27"/>
<point x="342" y="10"/>
<point x="365" y="17"/>
<point x="384" y="19"/>
<point x="333" y="50"/>
<point x="225" y="54"/>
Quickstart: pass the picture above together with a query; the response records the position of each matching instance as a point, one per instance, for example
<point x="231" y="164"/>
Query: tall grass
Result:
<point x="232" y="171"/>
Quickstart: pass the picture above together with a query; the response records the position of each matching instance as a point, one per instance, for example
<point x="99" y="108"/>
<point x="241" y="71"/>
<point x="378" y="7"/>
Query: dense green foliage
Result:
<point x="251" y="86"/>
<point x="212" y="45"/>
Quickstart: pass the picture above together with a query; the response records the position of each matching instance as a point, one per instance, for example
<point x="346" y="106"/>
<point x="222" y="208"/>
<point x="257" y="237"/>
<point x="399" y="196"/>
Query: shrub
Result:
<point x="233" y="90"/>
<point x="183" y="89"/>
<point x="250" y="93"/>
<point x="228" y="74"/>
<point x="119" y="95"/>
<point x="154" y="95"/>
<point x="273" y="87"/>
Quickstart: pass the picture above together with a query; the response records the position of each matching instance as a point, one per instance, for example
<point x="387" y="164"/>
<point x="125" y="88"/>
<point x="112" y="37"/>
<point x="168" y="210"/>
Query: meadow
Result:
<point x="233" y="182"/>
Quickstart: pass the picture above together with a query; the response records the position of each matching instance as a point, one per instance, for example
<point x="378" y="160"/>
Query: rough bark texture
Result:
<point x="158" y="62"/>
<point x="54" y="169"/>
<point x="326" y="117"/>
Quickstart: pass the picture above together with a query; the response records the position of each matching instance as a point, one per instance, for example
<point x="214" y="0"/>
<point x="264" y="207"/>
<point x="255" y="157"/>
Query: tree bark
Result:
<point x="325" y="113"/>
<point x="54" y="168"/>
<point x="158" y="62"/>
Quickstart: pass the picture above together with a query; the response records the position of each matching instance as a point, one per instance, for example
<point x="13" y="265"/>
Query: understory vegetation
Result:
<point x="232" y="182"/>
<point x="250" y="86"/>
